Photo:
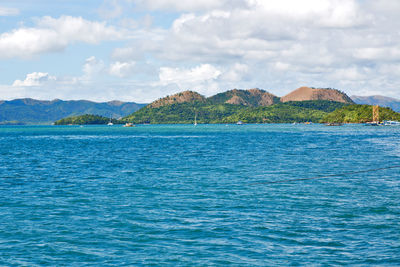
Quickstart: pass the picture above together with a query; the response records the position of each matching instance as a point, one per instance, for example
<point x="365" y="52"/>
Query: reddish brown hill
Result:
<point x="186" y="96"/>
<point x="251" y="97"/>
<point x="308" y="93"/>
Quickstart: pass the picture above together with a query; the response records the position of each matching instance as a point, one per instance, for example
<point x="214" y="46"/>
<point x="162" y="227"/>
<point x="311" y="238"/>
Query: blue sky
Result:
<point x="140" y="50"/>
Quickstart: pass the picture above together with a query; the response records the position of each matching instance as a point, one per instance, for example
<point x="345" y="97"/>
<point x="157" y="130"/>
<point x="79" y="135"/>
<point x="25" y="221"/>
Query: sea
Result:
<point x="205" y="195"/>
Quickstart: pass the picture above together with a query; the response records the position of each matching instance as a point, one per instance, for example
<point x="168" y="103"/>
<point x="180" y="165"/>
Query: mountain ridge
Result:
<point x="32" y="111"/>
<point x="255" y="97"/>
<point x="248" y="97"/>
<point x="380" y="100"/>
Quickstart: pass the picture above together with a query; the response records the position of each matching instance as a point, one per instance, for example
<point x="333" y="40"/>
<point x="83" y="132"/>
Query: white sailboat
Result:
<point x="195" y="118"/>
<point x="110" y="123"/>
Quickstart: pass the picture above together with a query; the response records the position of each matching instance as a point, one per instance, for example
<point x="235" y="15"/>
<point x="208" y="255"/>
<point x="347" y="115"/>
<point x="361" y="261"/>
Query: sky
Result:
<point x="141" y="50"/>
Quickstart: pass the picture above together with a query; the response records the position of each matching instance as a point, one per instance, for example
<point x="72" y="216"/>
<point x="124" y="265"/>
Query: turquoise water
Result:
<point x="185" y="195"/>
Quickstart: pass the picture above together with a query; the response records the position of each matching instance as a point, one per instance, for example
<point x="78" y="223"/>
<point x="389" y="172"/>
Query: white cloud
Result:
<point x="236" y="73"/>
<point x="6" y="11"/>
<point x="187" y="5"/>
<point x="199" y="74"/>
<point x="92" y="67"/>
<point x="276" y="45"/>
<point x="122" y="69"/>
<point x="110" y="9"/>
<point x="329" y="13"/>
<point x="35" y="79"/>
<point x="202" y="78"/>
<point x="349" y="74"/>
<point x="52" y="34"/>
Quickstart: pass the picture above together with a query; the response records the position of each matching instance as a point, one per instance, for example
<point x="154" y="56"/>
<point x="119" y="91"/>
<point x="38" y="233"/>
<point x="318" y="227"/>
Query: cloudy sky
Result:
<point x="140" y="50"/>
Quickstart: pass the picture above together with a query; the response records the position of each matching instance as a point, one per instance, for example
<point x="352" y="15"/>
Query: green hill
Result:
<point x="230" y="113"/>
<point x="250" y="106"/>
<point x="252" y="98"/>
<point x="184" y="113"/>
<point x="85" y="120"/>
<point x="359" y="114"/>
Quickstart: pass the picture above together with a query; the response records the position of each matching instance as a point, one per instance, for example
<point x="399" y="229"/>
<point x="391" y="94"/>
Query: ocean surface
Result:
<point x="184" y="195"/>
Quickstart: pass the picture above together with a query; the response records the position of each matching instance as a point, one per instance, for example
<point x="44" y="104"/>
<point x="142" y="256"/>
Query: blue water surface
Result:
<point x="201" y="195"/>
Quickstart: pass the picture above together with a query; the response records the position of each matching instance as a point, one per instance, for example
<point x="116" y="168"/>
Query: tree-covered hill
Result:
<point x="231" y="113"/>
<point x="184" y="113"/>
<point x="85" y="120"/>
<point x="279" y="113"/>
<point x="249" y="106"/>
<point x="359" y="114"/>
<point x="251" y="97"/>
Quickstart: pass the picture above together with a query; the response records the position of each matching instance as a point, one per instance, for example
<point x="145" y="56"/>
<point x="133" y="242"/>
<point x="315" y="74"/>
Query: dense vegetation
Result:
<point x="85" y="119"/>
<point x="184" y="113"/>
<point x="228" y="113"/>
<point x="359" y="114"/>
<point x="279" y="113"/>
<point x="323" y="105"/>
<point x="302" y="111"/>
<point x="246" y="96"/>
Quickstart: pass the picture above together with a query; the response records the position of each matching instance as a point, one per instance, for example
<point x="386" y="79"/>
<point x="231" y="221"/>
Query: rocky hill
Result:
<point x="251" y="97"/>
<point x="183" y="97"/>
<point x="31" y="111"/>
<point x="382" y="101"/>
<point x="309" y="93"/>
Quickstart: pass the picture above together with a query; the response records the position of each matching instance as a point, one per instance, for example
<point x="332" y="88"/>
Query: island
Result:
<point x="305" y="104"/>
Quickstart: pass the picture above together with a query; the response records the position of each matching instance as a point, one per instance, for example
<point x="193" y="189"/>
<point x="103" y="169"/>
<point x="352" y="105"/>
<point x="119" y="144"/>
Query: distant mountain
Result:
<point x="251" y="97"/>
<point x="309" y="93"/>
<point x="31" y="111"/>
<point x="383" y="101"/>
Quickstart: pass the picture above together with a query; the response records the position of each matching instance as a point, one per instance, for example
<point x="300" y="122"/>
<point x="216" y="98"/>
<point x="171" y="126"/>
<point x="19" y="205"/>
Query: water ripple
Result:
<point x="184" y="195"/>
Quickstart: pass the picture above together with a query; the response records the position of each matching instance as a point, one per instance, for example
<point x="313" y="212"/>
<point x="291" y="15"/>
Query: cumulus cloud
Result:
<point x="92" y="68"/>
<point x="204" y="78"/>
<point x="51" y="34"/>
<point x="236" y="73"/>
<point x="180" y="76"/>
<point x="122" y="69"/>
<point x="6" y="11"/>
<point x="188" y="5"/>
<point x="35" y="79"/>
<point x="283" y="44"/>
<point x="347" y="44"/>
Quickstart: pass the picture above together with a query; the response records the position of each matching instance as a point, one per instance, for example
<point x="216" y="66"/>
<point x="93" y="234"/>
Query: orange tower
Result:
<point x="375" y="113"/>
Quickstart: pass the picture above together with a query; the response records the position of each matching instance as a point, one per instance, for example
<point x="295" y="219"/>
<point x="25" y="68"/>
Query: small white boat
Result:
<point x="391" y="123"/>
<point x="110" y="124"/>
<point x="239" y="123"/>
<point x="128" y="124"/>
